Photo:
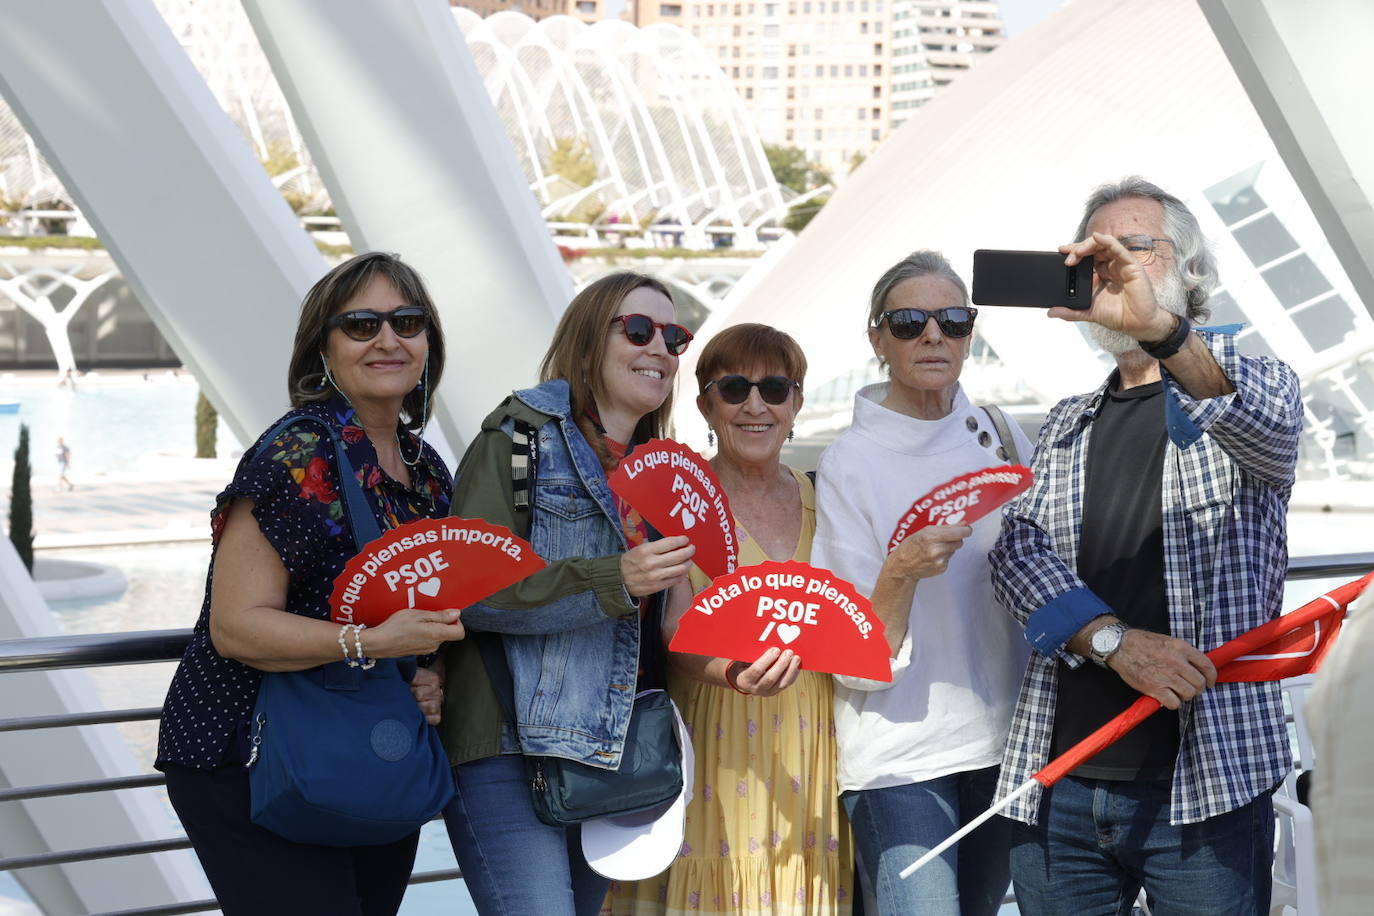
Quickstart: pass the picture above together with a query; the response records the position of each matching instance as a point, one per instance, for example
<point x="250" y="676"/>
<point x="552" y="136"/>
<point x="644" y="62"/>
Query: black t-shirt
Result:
<point x="1121" y="559"/>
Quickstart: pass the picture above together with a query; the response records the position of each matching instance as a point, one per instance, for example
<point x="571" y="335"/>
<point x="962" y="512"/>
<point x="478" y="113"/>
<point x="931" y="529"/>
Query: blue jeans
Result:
<point x="1099" y="842"/>
<point x="894" y="827"/>
<point x="514" y="864"/>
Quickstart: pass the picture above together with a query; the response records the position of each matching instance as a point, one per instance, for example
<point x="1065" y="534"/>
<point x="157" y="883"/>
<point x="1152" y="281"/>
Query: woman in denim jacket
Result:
<point x="572" y="632"/>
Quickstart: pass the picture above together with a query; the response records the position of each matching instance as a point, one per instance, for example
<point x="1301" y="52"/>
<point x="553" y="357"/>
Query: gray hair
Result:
<point x="921" y="263"/>
<point x="1194" y="261"/>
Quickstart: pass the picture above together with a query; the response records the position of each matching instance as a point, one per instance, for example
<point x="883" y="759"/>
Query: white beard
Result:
<point x="1171" y="296"/>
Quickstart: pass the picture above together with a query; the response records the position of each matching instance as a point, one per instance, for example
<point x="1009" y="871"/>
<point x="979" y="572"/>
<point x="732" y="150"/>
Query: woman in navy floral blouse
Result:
<point x="368" y="350"/>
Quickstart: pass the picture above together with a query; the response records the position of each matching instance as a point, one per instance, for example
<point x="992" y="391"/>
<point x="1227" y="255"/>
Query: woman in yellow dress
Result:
<point x="764" y="831"/>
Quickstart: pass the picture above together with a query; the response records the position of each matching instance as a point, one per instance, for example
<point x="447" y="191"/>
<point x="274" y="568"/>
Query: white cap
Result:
<point x="632" y="847"/>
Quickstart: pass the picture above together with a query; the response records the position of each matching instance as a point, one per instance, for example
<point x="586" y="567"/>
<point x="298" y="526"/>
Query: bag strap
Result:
<point x="524" y="467"/>
<point x="362" y="525"/>
<point x="361" y="522"/>
<point x="999" y="421"/>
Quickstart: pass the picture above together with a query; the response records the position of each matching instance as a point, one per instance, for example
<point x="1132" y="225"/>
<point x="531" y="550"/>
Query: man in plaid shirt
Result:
<point x="1154" y="531"/>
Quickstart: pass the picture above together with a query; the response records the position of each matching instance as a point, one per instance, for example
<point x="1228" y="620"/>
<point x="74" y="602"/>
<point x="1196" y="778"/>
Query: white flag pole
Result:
<point x="969" y="828"/>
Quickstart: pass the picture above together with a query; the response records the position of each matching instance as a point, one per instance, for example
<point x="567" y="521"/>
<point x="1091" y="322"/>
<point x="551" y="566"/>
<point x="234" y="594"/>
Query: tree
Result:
<point x="792" y="170"/>
<point x="571" y="158"/>
<point x="206" y="421"/>
<point x="802" y="214"/>
<point x="21" y="501"/>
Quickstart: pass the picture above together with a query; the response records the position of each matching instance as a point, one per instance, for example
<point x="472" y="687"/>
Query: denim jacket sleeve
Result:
<point x="555" y="598"/>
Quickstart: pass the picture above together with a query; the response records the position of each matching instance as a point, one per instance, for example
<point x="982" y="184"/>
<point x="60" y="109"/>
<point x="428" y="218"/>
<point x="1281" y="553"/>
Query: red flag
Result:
<point x="1286" y="646"/>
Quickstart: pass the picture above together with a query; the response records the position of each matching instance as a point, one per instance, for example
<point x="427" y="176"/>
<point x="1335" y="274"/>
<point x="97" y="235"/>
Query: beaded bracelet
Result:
<point x="361" y="661"/>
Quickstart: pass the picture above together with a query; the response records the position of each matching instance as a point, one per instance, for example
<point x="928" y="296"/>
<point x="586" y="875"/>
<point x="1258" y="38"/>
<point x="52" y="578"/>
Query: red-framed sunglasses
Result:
<point x="639" y="330"/>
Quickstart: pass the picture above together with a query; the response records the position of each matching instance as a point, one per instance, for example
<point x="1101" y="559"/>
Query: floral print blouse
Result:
<point x="292" y="483"/>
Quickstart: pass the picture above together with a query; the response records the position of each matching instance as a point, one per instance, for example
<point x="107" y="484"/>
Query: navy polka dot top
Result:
<point x="297" y="504"/>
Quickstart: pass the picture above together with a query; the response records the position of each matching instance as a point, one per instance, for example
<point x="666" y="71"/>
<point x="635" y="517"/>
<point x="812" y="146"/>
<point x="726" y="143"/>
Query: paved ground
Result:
<point x="123" y="512"/>
<point x="158" y="498"/>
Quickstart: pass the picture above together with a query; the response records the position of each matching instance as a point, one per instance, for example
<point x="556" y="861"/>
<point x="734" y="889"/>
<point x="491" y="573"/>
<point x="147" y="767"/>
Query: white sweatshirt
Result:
<point x="956" y="677"/>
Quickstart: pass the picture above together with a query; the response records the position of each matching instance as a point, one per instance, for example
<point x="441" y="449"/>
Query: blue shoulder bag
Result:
<point x="342" y="756"/>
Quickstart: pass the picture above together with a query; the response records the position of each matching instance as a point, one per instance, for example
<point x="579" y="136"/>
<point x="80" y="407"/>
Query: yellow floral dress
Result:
<point x="765" y="832"/>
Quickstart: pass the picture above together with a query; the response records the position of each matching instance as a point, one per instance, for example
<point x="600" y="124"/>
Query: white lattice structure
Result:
<point x="221" y="44"/>
<point x="671" y="140"/>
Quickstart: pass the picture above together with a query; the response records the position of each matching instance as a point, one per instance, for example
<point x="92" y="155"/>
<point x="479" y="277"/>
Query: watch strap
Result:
<point x="1163" y="349"/>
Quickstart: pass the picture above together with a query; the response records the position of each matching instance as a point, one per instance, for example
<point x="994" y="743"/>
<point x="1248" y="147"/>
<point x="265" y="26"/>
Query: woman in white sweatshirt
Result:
<point x="919" y="757"/>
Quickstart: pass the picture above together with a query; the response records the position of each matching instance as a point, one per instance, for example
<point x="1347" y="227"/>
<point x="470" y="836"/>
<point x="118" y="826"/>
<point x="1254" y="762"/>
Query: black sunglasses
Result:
<point x="639" y="330"/>
<point x="734" y="389"/>
<point x="365" y="324"/>
<point x="908" y="323"/>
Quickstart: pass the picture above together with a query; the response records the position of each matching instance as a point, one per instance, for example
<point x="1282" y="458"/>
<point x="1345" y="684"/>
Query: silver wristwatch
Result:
<point x="1105" y="641"/>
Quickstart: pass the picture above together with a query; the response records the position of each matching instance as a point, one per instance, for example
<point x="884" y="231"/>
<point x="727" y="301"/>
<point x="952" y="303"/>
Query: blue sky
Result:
<point x="1020" y="15"/>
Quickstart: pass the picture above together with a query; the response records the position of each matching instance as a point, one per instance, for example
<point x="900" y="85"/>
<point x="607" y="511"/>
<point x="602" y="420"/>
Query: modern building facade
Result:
<point x="587" y="11"/>
<point x="992" y="166"/>
<point x="834" y="77"/>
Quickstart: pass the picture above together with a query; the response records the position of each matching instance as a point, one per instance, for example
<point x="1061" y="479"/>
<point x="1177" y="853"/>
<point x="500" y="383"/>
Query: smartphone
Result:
<point x="1035" y="279"/>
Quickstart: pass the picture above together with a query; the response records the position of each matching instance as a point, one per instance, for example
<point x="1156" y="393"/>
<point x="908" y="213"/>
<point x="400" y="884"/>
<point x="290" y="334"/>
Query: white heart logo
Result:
<point x="953" y="518"/>
<point x="788" y="632"/>
<point x="429" y="587"/>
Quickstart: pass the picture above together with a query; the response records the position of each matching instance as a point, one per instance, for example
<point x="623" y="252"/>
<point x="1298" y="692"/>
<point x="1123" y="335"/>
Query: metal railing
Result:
<point x="51" y="653"/>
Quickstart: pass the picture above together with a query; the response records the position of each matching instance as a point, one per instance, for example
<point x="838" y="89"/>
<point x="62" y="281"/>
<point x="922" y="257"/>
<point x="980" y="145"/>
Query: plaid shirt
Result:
<point x="1228" y="470"/>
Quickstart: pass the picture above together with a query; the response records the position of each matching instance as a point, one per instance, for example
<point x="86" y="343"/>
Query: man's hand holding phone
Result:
<point x="1123" y="298"/>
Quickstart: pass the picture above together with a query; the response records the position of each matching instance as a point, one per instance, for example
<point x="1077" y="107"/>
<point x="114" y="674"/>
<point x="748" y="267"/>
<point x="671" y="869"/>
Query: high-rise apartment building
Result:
<point x="586" y="10"/>
<point x="833" y="77"/>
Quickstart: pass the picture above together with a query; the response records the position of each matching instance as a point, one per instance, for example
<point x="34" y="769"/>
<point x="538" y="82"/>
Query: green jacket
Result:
<point x="573" y="598"/>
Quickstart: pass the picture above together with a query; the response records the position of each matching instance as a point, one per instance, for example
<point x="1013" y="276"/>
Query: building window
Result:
<point x="877" y="49"/>
<point x="877" y="71"/>
<point x="791" y="114"/>
<point x="790" y="135"/>
<point x="877" y="134"/>
<point x="877" y="113"/>
<point x="1264" y="239"/>
<point x="670" y="10"/>
<point x="863" y="69"/>
<point x="819" y="134"/>
<point x="748" y="72"/>
<point x="848" y="69"/>
<point x="863" y="28"/>
<point x="734" y="73"/>
<point x="748" y="92"/>
<point x="863" y="114"/>
<point x="820" y="114"/>
<point x="1296" y="280"/>
<point x="791" y="92"/>
<point x="791" y="72"/>
<point x="877" y="92"/>
<point x="588" y="7"/>
<point x="770" y="73"/>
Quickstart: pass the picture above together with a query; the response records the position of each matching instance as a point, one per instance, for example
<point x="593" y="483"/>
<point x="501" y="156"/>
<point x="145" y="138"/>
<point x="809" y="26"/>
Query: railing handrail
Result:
<point x="46" y="653"/>
<point x="100" y="649"/>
